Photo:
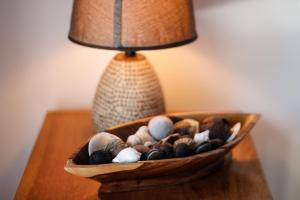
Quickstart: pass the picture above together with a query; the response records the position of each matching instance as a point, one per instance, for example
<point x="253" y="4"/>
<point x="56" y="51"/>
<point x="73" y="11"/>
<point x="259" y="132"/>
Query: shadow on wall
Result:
<point x="273" y="148"/>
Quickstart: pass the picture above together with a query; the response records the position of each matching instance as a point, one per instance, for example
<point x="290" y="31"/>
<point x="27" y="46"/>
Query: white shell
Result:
<point x="104" y="141"/>
<point x="160" y="127"/>
<point x="234" y="131"/>
<point x="133" y="140"/>
<point x="199" y="138"/>
<point x="143" y="134"/>
<point x="127" y="155"/>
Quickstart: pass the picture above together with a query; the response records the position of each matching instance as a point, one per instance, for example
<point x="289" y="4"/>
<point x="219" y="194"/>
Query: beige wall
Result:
<point x="247" y="58"/>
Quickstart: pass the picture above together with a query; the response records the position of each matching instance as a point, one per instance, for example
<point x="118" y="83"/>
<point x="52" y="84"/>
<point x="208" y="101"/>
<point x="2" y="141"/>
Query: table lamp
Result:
<point x="129" y="88"/>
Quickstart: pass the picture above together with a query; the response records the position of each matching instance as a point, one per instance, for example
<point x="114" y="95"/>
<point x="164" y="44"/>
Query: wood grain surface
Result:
<point x="64" y="131"/>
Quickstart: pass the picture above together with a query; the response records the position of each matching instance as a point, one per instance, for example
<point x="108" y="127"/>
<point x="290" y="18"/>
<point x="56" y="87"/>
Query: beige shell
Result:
<point x="133" y="140"/>
<point x="186" y="140"/>
<point x="143" y="134"/>
<point x="171" y="138"/>
<point x="141" y="148"/>
<point x="187" y="126"/>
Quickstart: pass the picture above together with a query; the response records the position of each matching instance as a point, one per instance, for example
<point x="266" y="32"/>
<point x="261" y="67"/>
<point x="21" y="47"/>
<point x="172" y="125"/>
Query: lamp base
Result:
<point x="128" y="90"/>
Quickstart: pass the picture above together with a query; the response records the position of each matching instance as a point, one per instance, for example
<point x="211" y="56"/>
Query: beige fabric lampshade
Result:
<point x="132" y="24"/>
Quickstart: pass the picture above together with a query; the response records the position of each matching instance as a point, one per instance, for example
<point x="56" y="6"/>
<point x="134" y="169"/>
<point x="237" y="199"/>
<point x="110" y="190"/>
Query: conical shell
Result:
<point x="200" y="138"/>
<point x="234" y="131"/>
<point x="127" y="155"/>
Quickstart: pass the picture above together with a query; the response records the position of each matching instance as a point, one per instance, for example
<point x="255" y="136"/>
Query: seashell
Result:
<point x="155" y="146"/>
<point x="218" y="127"/>
<point x="155" y="154"/>
<point x="149" y="144"/>
<point x="234" y="131"/>
<point x="165" y="145"/>
<point x="182" y="150"/>
<point x="187" y="127"/>
<point x="199" y="138"/>
<point x="106" y="142"/>
<point x="141" y="148"/>
<point x="170" y="139"/>
<point x="160" y="127"/>
<point x="133" y="140"/>
<point x="127" y="155"/>
<point x="160" y="151"/>
<point x="100" y="157"/>
<point x="188" y="141"/>
<point x="140" y="137"/>
<point x="204" y="147"/>
<point x="143" y="134"/>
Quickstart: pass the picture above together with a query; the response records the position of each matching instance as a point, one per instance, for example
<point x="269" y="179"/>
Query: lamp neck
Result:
<point x="130" y="53"/>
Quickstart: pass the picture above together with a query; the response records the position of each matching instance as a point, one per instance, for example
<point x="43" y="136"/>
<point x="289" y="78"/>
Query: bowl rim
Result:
<point x="81" y="170"/>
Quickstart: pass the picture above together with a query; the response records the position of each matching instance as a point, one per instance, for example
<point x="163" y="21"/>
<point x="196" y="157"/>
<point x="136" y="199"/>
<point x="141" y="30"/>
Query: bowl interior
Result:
<point x="124" y="130"/>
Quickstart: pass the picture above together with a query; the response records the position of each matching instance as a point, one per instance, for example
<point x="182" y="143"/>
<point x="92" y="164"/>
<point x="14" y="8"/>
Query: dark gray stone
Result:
<point x="204" y="147"/>
<point x="183" y="150"/>
<point x="101" y="157"/>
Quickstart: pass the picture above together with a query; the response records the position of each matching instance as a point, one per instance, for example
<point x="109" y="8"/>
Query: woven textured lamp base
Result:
<point x="129" y="89"/>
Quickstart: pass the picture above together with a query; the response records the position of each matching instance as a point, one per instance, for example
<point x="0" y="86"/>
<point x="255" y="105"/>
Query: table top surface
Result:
<point x="64" y="132"/>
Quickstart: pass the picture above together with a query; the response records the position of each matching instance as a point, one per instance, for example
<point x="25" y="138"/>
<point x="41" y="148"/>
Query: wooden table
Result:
<point x="64" y="131"/>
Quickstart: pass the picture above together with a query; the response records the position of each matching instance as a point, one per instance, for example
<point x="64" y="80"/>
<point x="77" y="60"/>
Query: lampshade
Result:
<point x="132" y="24"/>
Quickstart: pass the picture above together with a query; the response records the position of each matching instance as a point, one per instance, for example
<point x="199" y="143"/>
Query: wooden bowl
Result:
<point x="117" y="177"/>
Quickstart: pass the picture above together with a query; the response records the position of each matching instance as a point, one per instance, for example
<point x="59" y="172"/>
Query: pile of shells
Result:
<point x="162" y="139"/>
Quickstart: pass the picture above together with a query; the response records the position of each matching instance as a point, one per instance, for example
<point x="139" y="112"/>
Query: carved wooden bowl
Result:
<point x="117" y="177"/>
